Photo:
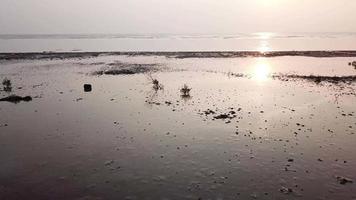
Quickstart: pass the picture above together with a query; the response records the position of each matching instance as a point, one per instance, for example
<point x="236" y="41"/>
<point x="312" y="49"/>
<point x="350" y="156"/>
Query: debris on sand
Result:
<point x="119" y="68"/>
<point x="226" y="116"/>
<point x="185" y="91"/>
<point x="87" y="87"/>
<point x="16" y="99"/>
<point x="343" y="180"/>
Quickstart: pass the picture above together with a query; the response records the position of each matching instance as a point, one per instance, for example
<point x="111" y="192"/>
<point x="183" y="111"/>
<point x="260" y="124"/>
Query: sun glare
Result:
<point x="264" y="47"/>
<point x="261" y="72"/>
<point x="264" y="38"/>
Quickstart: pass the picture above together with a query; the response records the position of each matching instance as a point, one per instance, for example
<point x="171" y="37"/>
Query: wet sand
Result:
<point x="279" y="125"/>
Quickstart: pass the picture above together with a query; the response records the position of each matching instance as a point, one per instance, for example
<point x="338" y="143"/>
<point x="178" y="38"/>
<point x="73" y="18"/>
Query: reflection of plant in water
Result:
<point x="7" y="85"/>
<point x="152" y="95"/>
<point x="185" y="91"/>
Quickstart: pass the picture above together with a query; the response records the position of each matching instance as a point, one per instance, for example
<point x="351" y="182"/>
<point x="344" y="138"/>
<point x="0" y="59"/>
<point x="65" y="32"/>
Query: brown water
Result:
<point x="124" y="140"/>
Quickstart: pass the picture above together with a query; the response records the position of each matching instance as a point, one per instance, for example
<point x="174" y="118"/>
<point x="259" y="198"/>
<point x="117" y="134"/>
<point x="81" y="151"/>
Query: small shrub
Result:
<point x="185" y="91"/>
<point x="6" y="82"/>
<point x="7" y="85"/>
<point x="156" y="84"/>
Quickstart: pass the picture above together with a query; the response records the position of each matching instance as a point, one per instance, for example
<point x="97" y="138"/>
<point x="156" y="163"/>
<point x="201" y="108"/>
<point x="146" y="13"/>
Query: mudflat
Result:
<point x="178" y="125"/>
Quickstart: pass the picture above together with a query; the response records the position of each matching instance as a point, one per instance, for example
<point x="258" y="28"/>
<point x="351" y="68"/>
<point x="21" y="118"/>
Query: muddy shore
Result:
<point x="105" y="126"/>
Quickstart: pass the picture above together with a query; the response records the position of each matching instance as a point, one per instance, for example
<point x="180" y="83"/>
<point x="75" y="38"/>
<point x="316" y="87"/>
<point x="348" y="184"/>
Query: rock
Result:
<point x="343" y="180"/>
<point x="16" y="99"/>
<point x="87" y="87"/>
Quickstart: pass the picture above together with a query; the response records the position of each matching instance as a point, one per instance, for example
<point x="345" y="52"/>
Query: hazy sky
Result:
<point x="176" y="16"/>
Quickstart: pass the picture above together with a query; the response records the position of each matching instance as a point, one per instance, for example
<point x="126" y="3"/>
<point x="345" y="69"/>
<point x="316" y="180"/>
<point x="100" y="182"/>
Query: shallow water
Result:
<point x="126" y="140"/>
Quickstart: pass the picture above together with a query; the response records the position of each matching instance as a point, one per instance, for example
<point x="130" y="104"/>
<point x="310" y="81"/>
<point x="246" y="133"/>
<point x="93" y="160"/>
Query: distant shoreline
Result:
<point x="178" y="55"/>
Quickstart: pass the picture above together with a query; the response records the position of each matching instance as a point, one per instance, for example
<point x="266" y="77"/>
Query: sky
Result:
<point x="175" y="16"/>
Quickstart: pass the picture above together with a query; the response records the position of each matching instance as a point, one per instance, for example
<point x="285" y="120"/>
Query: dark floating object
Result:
<point x="343" y="180"/>
<point x="87" y="88"/>
<point x="16" y="99"/>
<point x="353" y="63"/>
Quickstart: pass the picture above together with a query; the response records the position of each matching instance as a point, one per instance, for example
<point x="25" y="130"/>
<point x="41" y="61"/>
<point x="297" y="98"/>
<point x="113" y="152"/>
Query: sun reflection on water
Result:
<point x="264" y="47"/>
<point x="261" y="71"/>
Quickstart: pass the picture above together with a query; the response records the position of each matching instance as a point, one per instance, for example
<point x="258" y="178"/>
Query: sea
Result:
<point x="263" y="42"/>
